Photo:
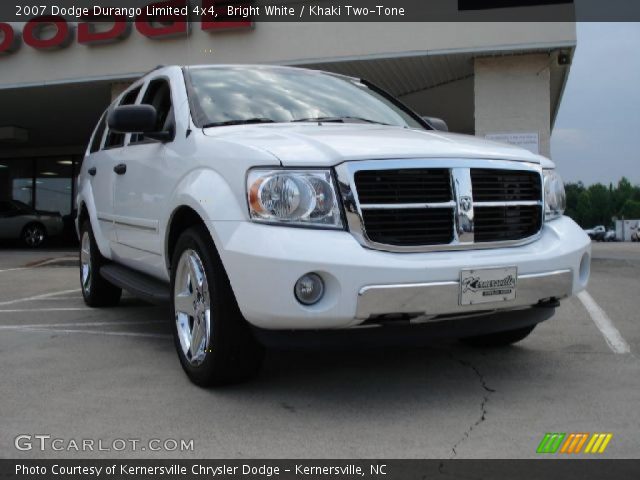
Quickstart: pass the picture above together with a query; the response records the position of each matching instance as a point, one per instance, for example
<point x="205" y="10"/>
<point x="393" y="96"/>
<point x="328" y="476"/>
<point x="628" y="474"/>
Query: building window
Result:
<point x="16" y="180"/>
<point x="54" y="185"/>
<point x="45" y="184"/>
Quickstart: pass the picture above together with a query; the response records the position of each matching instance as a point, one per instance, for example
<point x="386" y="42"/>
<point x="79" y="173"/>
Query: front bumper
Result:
<point x="403" y="334"/>
<point x="441" y="298"/>
<point x="264" y="262"/>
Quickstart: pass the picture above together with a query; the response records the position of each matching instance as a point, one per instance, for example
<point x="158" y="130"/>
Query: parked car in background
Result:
<point x="610" y="236"/>
<point x="596" y="233"/>
<point x="635" y="236"/>
<point x="19" y="221"/>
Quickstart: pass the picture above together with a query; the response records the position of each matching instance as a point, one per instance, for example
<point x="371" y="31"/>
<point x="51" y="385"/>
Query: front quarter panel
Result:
<point x="207" y="193"/>
<point x="215" y="186"/>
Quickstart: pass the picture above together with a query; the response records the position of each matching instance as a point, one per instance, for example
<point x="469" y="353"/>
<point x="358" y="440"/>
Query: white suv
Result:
<point x="272" y="205"/>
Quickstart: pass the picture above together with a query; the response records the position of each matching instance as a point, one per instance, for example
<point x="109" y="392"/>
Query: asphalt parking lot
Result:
<point x="76" y="373"/>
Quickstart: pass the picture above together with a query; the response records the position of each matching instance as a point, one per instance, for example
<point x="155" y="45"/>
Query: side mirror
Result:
<point x="138" y="119"/>
<point x="437" y="123"/>
<point x="133" y="119"/>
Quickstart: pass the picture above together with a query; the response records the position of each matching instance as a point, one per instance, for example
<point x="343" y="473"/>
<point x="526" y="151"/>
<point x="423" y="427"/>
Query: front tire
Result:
<point x="499" y="339"/>
<point x="34" y="235"/>
<point x="96" y="291"/>
<point x="214" y="342"/>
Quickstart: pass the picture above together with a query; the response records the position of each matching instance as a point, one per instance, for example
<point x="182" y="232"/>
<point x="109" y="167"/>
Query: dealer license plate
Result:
<point x="488" y="285"/>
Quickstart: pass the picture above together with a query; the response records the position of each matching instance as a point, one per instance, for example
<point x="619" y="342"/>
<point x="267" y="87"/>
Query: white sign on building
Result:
<point x="527" y="140"/>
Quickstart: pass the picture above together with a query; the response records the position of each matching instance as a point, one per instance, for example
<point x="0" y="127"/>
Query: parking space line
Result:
<point x="38" y="297"/>
<point x="61" y="299"/>
<point x="98" y="332"/>
<point x="41" y="263"/>
<point x="32" y="310"/>
<point x="610" y="333"/>
<point x="49" y="261"/>
<point x="77" y="324"/>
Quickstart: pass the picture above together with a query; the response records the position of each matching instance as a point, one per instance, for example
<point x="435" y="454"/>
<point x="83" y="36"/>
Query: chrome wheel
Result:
<point x="34" y="235"/>
<point x="192" y="306"/>
<point x="85" y="262"/>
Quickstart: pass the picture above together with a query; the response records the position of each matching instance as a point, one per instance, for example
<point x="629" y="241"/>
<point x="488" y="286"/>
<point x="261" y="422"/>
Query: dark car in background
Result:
<point x="19" y="221"/>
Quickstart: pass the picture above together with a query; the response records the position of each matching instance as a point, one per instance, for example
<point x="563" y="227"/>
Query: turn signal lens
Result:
<point x="555" y="200"/>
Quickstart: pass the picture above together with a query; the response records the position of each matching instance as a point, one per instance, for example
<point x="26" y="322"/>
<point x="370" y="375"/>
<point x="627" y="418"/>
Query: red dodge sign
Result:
<point x="47" y="32"/>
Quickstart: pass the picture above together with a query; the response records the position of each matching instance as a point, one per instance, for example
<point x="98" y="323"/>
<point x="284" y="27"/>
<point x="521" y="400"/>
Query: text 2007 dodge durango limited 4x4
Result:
<point x="272" y="205"/>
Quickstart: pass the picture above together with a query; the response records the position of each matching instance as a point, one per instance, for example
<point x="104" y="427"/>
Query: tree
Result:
<point x="601" y="211"/>
<point x="573" y="191"/>
<point x="584" y="210"/>
<point x="630" y="209"/>
<point x="621" y="194"/>
<point x="599" y="204"/>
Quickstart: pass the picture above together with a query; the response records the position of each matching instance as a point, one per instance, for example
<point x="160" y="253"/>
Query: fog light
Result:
<point x="309" y="289"/>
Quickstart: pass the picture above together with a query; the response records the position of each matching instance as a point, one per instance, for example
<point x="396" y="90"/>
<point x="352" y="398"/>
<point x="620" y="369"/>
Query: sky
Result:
<point x="596" y="137"/>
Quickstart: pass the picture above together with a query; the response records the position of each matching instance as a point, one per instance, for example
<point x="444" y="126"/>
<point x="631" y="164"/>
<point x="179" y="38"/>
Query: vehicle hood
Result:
<point x="330" y="144"/>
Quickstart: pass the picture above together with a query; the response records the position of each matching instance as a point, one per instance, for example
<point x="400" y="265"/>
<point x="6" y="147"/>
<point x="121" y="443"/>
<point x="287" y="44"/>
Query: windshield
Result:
<point x="229" y="96"/>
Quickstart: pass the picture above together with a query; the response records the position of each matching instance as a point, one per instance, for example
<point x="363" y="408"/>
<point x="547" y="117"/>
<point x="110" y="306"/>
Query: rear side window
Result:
<point x="158" y="94"/>
<point x="97" y="137"/>
<point x="115" y="140"/>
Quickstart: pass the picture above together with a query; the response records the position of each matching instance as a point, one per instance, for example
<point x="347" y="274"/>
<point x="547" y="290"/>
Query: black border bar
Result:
<point x="320" y="469"/>
<point x="337" y="10"/>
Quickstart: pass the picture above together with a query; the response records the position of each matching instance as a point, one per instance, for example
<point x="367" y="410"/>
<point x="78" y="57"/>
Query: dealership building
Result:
<point x="500" y="80"/>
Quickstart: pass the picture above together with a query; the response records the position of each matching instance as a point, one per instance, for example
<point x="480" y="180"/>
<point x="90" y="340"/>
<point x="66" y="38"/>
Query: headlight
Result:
<point x="555" y="200"/>
<point x="294" y="197"/>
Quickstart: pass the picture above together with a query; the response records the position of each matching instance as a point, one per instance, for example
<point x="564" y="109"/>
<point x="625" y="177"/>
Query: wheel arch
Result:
<point x="87" y="212"/>
<point x="182" y="218"/>
<point x="83" y="215"/>
<point x="201" y="196"/>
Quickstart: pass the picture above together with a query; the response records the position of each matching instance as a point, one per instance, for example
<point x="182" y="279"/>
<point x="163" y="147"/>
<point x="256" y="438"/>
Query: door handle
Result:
<point x="92" y="171"/>
<point x="120" y="169"/>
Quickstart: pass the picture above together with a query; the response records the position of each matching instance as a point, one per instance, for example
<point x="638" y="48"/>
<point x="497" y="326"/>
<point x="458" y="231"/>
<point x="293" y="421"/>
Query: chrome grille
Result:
<point x="442" y="204"/>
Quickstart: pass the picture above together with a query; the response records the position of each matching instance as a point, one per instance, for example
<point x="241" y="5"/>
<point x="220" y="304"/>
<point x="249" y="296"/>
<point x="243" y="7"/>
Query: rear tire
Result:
<point x="33" y="235"/>
<point x="500" y="339"/>
<point x="96" y="291"/>
<point x="213" y="340"/>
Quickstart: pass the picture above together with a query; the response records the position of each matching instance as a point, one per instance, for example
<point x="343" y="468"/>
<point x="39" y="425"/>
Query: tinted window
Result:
<point x="115" y="140"/>
<point x="158" y="94"/>
<point x="286" y="95"/>
<point x="97" y="137"/>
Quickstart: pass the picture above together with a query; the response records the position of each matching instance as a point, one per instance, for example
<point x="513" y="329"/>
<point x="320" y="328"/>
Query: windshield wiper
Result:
<point x="338" y="119"/>
<point x="245" y="121"/>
